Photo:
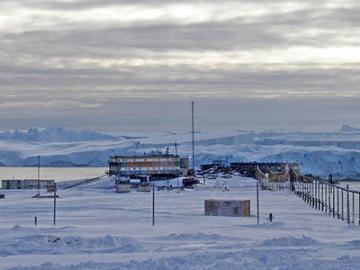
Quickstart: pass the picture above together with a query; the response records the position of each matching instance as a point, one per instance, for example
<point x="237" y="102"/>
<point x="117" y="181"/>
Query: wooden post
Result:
<point x="312" y="195"/>
<point x="303" y="191"/>
<point x="317" y="196"/>
<point x="353" y="208"/>
<point x="325" y="199"/>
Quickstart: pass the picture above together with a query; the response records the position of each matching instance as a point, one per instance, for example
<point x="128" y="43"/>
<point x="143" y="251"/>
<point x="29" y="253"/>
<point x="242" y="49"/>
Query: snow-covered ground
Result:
<point x="99" y="229"/>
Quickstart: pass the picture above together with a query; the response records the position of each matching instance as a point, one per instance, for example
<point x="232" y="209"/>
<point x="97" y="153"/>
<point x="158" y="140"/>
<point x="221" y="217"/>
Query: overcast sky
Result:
<point x="136" y="64"/>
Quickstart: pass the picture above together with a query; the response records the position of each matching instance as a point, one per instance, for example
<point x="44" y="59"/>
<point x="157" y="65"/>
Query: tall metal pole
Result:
<point x="54" y="218"/>
<point x="38" y="184"/>
<point x="257" y="202"/>
<point x="176" y="148"/>
<point x="193" y="134"/>
<point x="153" y="204"/>
<point x="316" y="194"/>
<point x="347" y="204"/>
<point x="353" y="207"/>
<point x="342" y="204"/>
<point x="330" y="197"/>
<point x="337" y="203"/>
<point x="333" y="192"/>
<point x="359" y="208"/>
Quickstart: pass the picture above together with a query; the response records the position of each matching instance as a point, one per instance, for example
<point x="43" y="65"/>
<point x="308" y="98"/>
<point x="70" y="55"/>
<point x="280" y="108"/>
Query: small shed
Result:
<point x="123" y="188"/>
<point x="26" y="183"/>
<point x="229" y="208"/>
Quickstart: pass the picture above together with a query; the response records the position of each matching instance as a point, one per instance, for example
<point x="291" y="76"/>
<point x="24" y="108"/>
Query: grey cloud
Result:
<point x="29" y="78"/>
<point x="94" y="84"/>
<point x="174" y="115"/>
<point x="270" y="32"/>
<point x="89" y="4"/>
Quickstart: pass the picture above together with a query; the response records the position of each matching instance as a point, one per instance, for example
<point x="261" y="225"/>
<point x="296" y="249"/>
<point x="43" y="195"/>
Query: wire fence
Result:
<point x="336" y="201"/>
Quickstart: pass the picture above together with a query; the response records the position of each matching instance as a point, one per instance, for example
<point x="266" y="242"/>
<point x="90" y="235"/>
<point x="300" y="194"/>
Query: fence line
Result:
<point x="336" y="201"/>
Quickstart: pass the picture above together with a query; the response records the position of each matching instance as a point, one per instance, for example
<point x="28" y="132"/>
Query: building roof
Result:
<point x="146" y="155"/>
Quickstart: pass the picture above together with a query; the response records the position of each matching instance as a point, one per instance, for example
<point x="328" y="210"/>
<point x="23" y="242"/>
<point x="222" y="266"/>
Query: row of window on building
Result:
<point x="146" y="159"/>
<point x="145" y="168"/>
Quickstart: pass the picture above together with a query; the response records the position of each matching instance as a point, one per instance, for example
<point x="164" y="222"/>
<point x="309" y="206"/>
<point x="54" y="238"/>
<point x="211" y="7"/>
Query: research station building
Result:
<point x="154" y="165"/>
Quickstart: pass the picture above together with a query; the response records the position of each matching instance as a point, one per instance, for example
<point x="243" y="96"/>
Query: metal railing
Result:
<point x="336" y="201"/>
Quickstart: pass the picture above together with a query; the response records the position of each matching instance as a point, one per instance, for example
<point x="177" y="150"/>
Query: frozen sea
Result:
<point x="57" y="174"/>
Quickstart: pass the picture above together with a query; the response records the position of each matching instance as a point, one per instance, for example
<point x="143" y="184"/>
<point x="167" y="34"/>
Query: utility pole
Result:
<point x="347" y="204"/>
<point x="54" y="218"/>
<point x="38" y="185"/>
<point x="257" y="202"/>
<point x="193" y="134"/>
<point x="176" y="148"/>
<point x="153" y="204"/>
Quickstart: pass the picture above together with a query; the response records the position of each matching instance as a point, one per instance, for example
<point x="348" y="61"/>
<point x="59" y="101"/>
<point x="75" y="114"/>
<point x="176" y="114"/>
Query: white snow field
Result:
<point x="98" y="229"/>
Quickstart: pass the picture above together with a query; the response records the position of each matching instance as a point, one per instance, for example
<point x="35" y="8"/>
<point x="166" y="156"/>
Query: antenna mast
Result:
<point x="176" y="148"/>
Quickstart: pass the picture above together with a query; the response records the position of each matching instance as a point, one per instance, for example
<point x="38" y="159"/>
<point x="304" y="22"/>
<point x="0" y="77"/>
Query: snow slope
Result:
<point x="99" y="229"/>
